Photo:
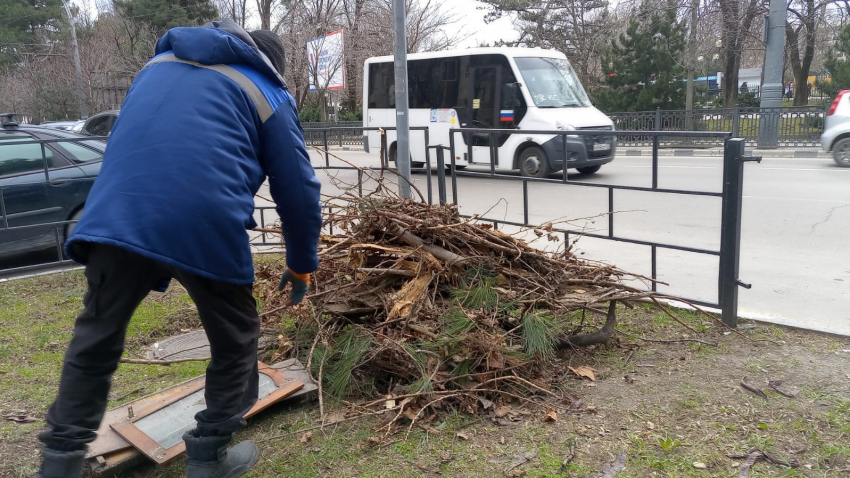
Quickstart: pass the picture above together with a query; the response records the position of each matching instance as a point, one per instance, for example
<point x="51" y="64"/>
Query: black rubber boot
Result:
<point x="61" y="464"/>
<point x="209" y="457"/>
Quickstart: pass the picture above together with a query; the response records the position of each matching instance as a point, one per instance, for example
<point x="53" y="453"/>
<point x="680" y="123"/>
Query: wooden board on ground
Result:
<point x="110" y="452"/>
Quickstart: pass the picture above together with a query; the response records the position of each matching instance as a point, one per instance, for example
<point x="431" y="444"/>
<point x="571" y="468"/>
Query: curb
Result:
<point x="764" y="153"/>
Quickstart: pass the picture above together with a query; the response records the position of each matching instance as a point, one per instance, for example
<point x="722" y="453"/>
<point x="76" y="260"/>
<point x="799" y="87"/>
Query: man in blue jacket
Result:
<point x="206" y="121"/>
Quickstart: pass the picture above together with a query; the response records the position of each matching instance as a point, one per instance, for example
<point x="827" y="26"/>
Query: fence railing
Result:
<point x="333" y="134"/>
<point x="728" y="253"/>
<point x="449" y="176"/>
<point x="797" y="125"/>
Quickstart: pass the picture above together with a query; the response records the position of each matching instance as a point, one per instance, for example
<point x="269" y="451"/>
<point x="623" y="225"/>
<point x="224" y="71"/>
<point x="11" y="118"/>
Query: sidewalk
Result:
<point x="786" y="152"/>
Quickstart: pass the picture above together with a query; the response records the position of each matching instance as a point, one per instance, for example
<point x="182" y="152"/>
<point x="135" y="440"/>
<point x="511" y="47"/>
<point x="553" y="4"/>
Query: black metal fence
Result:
<point x="343" y="133"/>
<point x="731" y="196"/>
<point x="440" y="175"/>
<point x="797" y="125"/>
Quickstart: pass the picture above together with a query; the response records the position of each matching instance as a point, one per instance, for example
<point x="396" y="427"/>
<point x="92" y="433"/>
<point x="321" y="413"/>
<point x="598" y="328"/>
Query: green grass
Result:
<point x="689" y="393"/>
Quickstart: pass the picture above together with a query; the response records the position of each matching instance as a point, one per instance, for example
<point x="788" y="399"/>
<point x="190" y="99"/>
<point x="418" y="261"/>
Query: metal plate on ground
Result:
<point x="194" y="345"/>
<point x="157" y="431"/>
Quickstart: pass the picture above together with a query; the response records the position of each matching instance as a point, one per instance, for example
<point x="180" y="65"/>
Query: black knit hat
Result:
<point x="272" y="46"/>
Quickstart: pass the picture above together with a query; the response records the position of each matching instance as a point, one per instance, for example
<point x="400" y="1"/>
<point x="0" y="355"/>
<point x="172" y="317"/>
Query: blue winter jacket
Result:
<point x="203" y="125"/>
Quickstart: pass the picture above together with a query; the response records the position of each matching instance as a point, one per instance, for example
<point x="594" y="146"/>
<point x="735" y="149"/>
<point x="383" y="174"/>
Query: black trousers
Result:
<point x="118" y="280"/>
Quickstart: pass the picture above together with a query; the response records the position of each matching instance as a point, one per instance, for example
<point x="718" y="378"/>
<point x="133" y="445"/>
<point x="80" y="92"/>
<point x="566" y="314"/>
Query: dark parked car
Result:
<point x="42" y="188"/>
<point x="100" y="124"/>
<point x="73" y="126"/>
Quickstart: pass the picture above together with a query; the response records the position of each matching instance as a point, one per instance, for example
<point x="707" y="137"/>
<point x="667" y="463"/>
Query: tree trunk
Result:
<point x="692" y="60"/>
<point x="734" y="30"/>
<point x="730" y="78"/>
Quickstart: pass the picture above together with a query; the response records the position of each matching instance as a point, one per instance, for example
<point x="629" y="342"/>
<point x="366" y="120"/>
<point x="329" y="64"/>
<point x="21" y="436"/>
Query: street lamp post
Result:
<point x="402" y="159"/>
<point x="81" y="91"/>
<point x="771" y="90"/>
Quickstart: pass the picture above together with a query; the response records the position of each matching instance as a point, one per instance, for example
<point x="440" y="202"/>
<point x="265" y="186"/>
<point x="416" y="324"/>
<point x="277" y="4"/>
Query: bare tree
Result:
<point x="236" y="10"/>
<point x="736" y="28"/>
<point x="805" y="17"/>
<point x="579" y="28"/>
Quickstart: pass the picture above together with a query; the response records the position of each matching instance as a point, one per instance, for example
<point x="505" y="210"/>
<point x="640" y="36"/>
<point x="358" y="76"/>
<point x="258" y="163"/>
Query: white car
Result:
<point x="836" y="129"/>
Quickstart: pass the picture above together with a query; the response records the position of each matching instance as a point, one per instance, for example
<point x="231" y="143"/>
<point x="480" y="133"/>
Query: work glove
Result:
<point x="300" y="285"/>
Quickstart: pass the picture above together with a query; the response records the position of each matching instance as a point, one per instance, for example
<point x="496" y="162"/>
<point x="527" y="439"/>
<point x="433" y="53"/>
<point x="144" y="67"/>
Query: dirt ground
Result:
<point x="674" y="409"/>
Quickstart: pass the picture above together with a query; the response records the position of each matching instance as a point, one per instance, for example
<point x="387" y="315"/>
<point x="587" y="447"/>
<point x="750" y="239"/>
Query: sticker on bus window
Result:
<point x="506" y="116"/>
<point x="476" y="103"/>
<point x="442" y="115"/>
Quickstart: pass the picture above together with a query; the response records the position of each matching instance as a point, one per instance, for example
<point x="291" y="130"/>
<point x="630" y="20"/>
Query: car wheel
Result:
<point x="69" y="228"/>
<point x="589" y="169"/>
<point x="533" y="163"/>
<point x="841" y="152"/>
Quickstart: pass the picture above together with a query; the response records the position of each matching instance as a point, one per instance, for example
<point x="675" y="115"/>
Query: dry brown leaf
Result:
<point x="462" y="436"/>
<point x="551" y="415"/>
<point x="306" y="437"/>
<point x="502" y="412"/>
<point x="409" y="414"/>
<point x="485" y="404"/>
<point x="584" y="371"/>
<point x="700" y="465"/>
<point x="517" y="472"/>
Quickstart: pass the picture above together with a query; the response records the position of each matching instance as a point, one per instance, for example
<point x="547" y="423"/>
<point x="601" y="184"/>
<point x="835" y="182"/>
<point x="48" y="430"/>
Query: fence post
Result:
<point x="658" y="126"/>
<point x="730" y="229"/>
<point x="736" y="121"/>
<point x="441" y="175"/>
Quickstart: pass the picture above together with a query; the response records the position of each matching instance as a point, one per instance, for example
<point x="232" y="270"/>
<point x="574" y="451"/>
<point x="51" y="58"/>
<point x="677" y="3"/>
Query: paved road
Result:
<point x="795" y="240"/>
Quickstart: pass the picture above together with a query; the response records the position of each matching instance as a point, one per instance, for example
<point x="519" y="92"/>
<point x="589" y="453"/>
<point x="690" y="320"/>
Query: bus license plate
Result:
<point x="601" y="147"/>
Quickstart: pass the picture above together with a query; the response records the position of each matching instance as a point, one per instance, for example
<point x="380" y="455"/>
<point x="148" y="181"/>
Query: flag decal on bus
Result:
<point x="506" y="116"/>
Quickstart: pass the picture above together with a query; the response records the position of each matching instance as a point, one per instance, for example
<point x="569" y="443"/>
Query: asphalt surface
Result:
<point x="795" y="244"/>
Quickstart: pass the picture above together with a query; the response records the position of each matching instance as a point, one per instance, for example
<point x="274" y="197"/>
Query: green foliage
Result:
<point x="477" y="290"/>
<point x="540" y="335"/>
<point x="668" y="444"/>
<point x="309" y="115"/>
<point x="838" y="65"/>
<point x="748" y="99"/>
<point x="345" y="115"/>
<point x="27" y="22"/>
<point x="340" y="359"/>
<point x="162" y="15"/>
<point x="642" y="69"/>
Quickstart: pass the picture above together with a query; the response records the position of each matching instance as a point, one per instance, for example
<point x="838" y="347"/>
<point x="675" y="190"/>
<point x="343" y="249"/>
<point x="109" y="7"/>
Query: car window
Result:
<point x="98" y="126"/>
<point x="81" y="153"/>
<point x="22" y="158"/>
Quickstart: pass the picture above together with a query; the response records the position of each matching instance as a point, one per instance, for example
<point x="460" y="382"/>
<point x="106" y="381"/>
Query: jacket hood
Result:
<point x="219" y="42"/>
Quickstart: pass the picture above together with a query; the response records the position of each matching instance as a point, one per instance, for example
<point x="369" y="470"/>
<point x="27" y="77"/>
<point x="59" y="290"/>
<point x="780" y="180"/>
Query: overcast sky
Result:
<point x="471" y="22"/>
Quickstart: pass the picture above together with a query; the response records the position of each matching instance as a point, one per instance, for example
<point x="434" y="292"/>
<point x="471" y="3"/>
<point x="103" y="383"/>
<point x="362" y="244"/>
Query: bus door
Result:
<point x="482" y="111"/>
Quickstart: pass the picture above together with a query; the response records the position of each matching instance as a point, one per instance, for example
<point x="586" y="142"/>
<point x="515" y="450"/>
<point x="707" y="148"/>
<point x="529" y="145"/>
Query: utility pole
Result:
<point x="81" y="90"/>
<point x="402" y="111"/>
<point x="771" y="90"/>
<point x="692" y="63"/>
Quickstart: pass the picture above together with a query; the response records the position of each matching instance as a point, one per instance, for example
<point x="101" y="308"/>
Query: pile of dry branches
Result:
<point x="413" y="302"/>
